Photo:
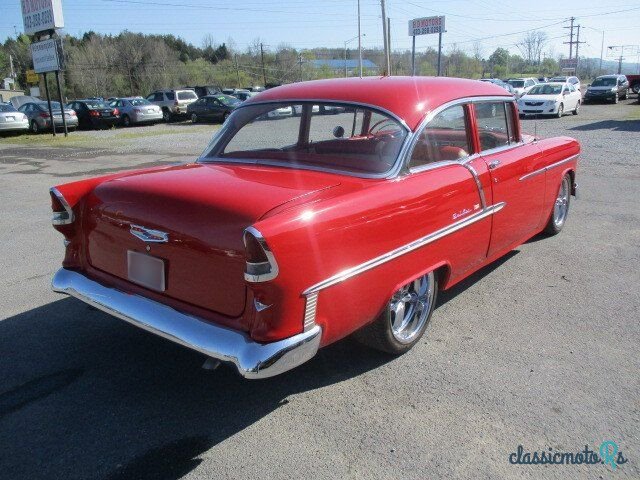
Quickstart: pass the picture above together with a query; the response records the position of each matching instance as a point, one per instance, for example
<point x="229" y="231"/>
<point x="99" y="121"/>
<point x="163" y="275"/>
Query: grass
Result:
<point x="81" y="139"/>
<point x="635" y="113"/>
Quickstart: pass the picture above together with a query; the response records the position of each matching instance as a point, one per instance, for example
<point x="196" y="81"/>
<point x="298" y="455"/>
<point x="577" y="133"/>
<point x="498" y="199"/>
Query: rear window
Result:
<point x="7" y="108"/>
<point x="344" y="139"/>
<point x="93" y="105"/>
<point x="516" y="83"/>
<point x="188" y="95"/>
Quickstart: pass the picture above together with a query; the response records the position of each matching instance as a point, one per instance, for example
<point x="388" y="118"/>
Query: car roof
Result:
<point x="609" y="76"/>
<point x="408" y="98"/>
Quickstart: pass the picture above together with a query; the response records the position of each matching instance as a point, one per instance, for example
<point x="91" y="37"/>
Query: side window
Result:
<point x="492" y="124"/>
<point x="510" y="123"/>
<point x="158" y="97"/>
<point x="170" y="95"/>
<point x="443" y="138"/>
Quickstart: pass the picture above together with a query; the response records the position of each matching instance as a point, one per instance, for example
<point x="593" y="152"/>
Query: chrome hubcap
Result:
<point x="410" y="307"/>
<point x="561" y="206"/>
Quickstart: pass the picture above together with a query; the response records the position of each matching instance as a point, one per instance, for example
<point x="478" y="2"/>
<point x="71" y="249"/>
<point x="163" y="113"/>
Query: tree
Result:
<point x="531" y="46"/>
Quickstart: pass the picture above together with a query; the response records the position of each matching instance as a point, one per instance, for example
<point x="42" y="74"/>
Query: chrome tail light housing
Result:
<point x="261" y="264"/>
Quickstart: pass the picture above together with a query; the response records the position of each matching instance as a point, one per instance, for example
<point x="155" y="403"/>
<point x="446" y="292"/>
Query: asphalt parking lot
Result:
<point x="540" y="349"/>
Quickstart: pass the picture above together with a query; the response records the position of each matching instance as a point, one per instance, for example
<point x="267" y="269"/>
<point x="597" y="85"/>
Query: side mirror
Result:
<point x="338" y="132"/>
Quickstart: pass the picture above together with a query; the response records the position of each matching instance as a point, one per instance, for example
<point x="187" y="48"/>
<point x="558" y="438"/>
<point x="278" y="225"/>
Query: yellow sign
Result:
<point x="32" y="77"/>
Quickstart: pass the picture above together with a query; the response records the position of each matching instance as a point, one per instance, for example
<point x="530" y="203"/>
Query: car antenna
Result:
<point x="535" y="130"/>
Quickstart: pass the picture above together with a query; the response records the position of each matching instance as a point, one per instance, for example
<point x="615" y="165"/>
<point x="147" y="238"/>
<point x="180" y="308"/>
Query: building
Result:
<point x="337" y="66"/>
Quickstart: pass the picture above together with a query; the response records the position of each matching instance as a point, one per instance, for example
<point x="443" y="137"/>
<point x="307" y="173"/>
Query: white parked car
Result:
<point x="522" y="85"/>
<point x="550" y="99"/>
<point x="11" y="119"/>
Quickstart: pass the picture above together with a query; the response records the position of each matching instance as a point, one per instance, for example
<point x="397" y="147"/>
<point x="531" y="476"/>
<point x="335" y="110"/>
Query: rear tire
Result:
<point x="34" y="127"/>
<point x="126" y="121"/>
<point x="166" y="115"/>
<point x="576" y="110"/>
<point x="405" y="318"/>
<point x="561" y="205"/>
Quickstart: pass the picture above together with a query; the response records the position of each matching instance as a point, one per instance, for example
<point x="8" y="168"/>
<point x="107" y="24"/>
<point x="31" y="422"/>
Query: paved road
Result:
<point x="539" y="349"/>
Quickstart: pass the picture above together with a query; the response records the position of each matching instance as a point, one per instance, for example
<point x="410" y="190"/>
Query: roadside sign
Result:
<point x="426" y="26"/>
<point x="47" y="55"/>
<point x="41" y="15"/>
<point x="32" y="77"/>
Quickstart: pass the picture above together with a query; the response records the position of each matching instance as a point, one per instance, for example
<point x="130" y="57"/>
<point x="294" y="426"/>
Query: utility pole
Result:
<point x="389" y="44"/>
<point x="13" y="73"/>
<point x="264" y="73"/>
<point x="300" y="62"/>
<point x="570" y="42"/>
<point x="359" y="43"/>
<point x="235" y="60"/>
<point x="601" y="51"/>
<point x="386" y="39"/>
<point x="622" y="48"/>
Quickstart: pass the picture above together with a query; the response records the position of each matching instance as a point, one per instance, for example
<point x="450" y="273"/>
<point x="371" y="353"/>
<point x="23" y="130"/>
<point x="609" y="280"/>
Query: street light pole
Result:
<point x="345" y="54"/>
<point x="359" y="42"/>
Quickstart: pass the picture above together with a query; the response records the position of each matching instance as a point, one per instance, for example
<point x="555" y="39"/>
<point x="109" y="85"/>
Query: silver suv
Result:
<point x="173" y="103"/>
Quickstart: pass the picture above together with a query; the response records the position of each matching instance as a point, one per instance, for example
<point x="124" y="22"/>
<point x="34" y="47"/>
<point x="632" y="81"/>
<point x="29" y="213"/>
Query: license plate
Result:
<point x="146" y="270"/>
<point x="10" y="119"/>
<point x="106" y="114"/>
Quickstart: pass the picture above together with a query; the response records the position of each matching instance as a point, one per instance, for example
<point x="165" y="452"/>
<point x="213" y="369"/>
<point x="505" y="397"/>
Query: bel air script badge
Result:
<point x="149" y="235"/>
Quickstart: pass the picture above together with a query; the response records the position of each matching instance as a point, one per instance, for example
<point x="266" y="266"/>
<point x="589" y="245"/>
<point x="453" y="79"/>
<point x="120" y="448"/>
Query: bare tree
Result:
<point x="532" y="45"/>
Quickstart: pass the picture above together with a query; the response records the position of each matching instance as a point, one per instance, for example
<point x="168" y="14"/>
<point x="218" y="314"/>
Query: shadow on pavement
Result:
<point x="84" y="395"/>
<point x="618" y="125"/>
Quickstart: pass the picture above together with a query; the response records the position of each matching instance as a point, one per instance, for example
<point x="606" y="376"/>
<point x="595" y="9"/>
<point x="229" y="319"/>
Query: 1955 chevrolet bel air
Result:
<point x="345" y="212"/>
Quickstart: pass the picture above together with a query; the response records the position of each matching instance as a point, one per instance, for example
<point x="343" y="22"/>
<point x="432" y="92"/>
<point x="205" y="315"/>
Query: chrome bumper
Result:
<point x="252" y="359"/>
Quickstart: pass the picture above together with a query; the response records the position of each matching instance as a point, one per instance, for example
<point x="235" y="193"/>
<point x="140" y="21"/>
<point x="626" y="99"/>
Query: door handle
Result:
<point x="493" y="164"/>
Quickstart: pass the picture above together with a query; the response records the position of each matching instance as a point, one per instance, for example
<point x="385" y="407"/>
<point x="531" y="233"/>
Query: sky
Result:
<point x="307" y="24"/>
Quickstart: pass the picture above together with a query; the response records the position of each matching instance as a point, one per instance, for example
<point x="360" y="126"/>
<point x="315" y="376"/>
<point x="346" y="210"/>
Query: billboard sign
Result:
<point x="47" y="55"/>
<point x="41" y="15"/>
<point x="426" y="26"/>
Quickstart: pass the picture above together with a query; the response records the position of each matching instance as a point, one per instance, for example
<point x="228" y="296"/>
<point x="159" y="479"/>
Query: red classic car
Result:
<point x="292" y="232"/>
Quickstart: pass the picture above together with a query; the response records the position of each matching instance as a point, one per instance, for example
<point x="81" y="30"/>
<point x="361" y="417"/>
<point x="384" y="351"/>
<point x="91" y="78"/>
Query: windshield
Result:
<point x="516" y="83"/>
<point x="228" y="100"/>
<point x="45" y="105"/>
<point x="136" y="102"/>
<point x="343" y="139"/>
<point x="187" y="95"/>
<point x="604" y="82"/>
<point x="94" y="104"/>
<point x="546" y="89"/>
<point x="7" y="108"/>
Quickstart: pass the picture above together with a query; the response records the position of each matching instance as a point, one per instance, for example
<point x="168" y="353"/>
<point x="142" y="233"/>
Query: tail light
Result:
<point x="94" y="113"/>
<point x="261" y="265"/>
<point x="62" y="212"/>
<point x="72" y="113"/>
<point x="116" y="111"/>
<point x="44" y="115"/>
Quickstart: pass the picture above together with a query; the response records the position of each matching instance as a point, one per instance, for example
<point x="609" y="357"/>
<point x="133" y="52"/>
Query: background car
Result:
<point x="173" y="103"/>
<point x="93" y="114"/>
<point x="575" y="81"/>
<point x="500" y="83"/>
<point x="608" y="88"/>
<point x="212" y="108"/>
<point x="521" y="85"/>
<point x="243" y="95"/>
<point x="40" y="120"/>
<point x="134" y="110"/>
<point x="11" y="120"/>
<point x="204" y="90"/>
<point x="550" y="99"/>
<point x="543" y="79"/>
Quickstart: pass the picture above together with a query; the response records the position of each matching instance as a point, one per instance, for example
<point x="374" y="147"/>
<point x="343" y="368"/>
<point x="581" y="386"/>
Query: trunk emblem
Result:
<point x="148" y="235"/>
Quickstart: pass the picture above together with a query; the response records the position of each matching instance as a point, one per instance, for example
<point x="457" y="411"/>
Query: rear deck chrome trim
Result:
<point x="404" y="249"/>
<point x="252" y="359"/>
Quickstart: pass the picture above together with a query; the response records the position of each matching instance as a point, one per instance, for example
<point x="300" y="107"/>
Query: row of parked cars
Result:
<point x="203" y="103"/>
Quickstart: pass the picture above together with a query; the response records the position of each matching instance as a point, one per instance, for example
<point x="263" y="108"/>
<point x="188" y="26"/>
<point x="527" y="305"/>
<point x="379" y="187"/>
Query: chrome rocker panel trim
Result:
<point x="253" y="360"/>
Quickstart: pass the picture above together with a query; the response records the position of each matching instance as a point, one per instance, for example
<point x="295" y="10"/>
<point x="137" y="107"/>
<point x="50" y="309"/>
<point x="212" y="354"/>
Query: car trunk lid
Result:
<point x="203" y="209"/>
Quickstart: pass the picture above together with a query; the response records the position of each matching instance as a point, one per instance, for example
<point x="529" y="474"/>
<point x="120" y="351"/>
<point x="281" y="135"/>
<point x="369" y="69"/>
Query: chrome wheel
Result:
<point x="561" y="207"/>
<point x="410" y="307"/>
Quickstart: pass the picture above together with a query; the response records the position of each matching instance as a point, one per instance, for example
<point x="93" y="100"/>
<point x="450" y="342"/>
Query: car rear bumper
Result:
<point x="14" y="126"/>
<point x="253" y="360"/>
<point x="150" y="117"/>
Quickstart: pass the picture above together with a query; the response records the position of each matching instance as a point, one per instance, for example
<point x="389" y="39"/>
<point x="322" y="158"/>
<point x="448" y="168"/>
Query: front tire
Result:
<point x="560" y="111"/>
<point x="560" y="207"/>
<point x="577" y="109"/>
<point x="405" y="318"/>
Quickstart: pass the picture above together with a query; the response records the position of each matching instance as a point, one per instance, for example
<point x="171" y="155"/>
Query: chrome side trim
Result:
<point x="548" y="167"/>
<point x="252" y="359"/>
<point x="62" y="218"/>
<point x="273" y="272"/>
<point x="310" y="308"/>
<point x="404" y="249"/>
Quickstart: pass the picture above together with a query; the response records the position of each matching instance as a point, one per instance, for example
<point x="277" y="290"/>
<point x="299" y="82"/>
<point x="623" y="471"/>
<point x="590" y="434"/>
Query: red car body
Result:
<point x="338" y="245"/>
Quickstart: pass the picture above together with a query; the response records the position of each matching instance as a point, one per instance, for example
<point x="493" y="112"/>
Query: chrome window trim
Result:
<point x="391" y="173"/>
<point x="548" y="167"/>
<point x="402" y="250"/>
<point x="57" y="217"/>
<point x="273" y="273"/>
